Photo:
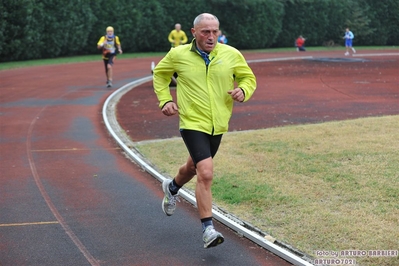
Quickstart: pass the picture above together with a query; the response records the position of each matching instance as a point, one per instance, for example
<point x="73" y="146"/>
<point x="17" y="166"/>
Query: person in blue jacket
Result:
<point x="222" y="38"/>
<point x="349" y="36"/>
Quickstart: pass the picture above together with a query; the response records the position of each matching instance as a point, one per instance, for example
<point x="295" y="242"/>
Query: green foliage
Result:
<point x="337" y="12"/>
<point x="66" y="26"/>
<point x="151" y="22"/>
<point x="325" y="21"/>
<point x="249" y="24"/>
<point x="34" y="29"/>
<point x="385" y="20"/>
<point x="307" y="18"/>
<point x="44" y="29"/>
<point x="16" y="21"/>
<point x="359" y="21"/>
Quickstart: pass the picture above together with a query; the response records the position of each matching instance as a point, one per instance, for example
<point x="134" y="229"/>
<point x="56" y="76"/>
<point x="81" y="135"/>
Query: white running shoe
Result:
<point x="346" y="54"/>
<point x="169" y="200"/>
<point x="211" y="237"/>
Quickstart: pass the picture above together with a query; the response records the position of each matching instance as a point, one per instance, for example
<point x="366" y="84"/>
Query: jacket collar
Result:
<point x="212" y="54"/>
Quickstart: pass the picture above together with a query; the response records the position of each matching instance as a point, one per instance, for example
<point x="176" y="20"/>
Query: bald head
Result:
<point x="204" y="16"/>
<point x="177" y="27"/>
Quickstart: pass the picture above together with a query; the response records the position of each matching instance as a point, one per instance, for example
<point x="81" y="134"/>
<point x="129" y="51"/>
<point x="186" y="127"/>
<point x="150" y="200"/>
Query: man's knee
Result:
<point x="205" y="170"/>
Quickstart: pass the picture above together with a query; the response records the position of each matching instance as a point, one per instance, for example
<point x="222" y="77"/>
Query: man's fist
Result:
<point x="237" y="94"/>
<point x="170" y="108"/>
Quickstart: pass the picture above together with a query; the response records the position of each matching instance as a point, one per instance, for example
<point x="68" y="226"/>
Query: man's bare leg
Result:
<point x="186" y="172"/>
<point x="203" y="195"/>
<point x="203" y="192"/>
<point x="109" y="72"/>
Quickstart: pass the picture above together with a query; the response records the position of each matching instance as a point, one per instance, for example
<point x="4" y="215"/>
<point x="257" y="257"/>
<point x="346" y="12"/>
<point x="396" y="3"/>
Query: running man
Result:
<point x="348" y="41"/>
<point x="108" y="45"/>
<point x="207" y="73"/>
<point x="177" y="36"/>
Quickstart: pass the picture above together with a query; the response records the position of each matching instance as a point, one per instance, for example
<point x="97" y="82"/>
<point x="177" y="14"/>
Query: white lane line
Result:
<point x="31" y="223"/>
<point x="47" y="197"/>
<point x="279" y="59"/>
<point x="381" y="54"/>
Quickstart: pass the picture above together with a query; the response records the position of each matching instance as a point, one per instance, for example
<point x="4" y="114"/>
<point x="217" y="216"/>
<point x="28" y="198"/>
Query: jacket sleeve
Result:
<point x="170" y="37"/>
<point x="245" y="78"/>
<point x="161" y="79"/>
<point x="184" y="38"/>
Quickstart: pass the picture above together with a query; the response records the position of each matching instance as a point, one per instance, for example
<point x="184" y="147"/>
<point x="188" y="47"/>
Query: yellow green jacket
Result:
<point x="202" y="98"/>
<point x="177" y="38"/>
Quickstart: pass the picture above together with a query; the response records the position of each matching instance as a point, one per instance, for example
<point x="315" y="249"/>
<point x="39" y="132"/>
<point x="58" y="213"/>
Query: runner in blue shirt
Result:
<point x="348" y="41"/>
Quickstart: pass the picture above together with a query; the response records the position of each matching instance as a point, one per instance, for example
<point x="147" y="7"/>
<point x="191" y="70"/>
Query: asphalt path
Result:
<point x="69" y="195"/>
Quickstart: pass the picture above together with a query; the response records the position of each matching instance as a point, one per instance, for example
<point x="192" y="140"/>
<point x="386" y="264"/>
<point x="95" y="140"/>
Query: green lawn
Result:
<point x="331" y="186"/>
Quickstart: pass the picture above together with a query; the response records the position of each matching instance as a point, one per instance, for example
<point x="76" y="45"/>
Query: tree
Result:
<point x="308" y="18"/>
<point x="250" y="24"/>
<point x="385" y="21"/>
<point x="359" y="21"/>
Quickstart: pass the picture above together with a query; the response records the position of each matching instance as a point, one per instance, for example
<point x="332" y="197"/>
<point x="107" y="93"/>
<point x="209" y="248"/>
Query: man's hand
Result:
<point x="237" y="94"/>
<point x="170" y="109"/>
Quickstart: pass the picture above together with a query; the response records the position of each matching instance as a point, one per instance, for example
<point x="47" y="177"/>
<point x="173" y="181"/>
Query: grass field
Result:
<point x="331" y="186"/>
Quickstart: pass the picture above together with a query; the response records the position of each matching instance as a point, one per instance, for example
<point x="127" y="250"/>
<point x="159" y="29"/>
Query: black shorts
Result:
<point x="109" y="60"/>
<point x="200" y="145"/>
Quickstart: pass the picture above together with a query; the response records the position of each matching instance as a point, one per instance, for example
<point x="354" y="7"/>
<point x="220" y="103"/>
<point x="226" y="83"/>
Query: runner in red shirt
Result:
<point x="300" y="44"/>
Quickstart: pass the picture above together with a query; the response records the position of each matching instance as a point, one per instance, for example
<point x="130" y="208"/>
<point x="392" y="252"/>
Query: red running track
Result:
<point x="68" y="196"/>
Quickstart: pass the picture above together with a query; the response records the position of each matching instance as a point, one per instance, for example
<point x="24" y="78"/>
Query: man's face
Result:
<point x="206" y="34"/>
<point x="110" y="32"/>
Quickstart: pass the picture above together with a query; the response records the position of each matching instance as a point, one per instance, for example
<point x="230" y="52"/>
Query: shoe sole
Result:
<point x="217" y="241"/>
<point x="164" y="187"/>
